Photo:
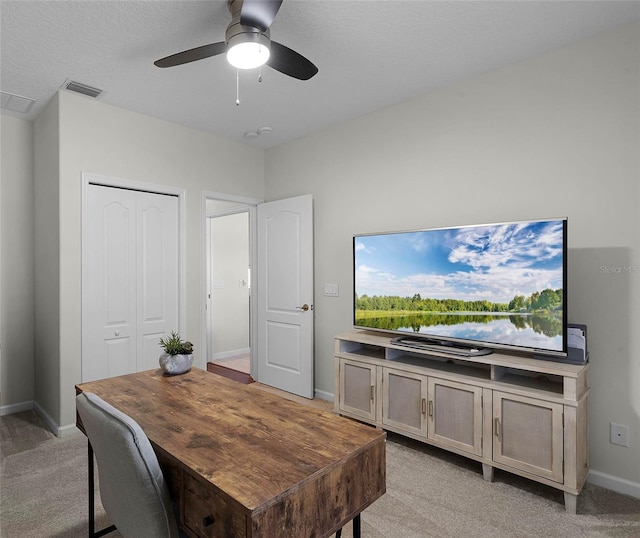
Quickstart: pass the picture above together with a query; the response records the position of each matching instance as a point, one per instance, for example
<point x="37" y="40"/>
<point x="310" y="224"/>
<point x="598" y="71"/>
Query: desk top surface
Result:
<point x="251" y="444"/>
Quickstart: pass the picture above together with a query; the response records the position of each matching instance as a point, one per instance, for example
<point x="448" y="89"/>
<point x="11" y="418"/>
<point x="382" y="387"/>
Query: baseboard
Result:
<point x="50" y="423"/>
<point x="69" y="429"/>
<point x="614" y="483"/>
<point x="323" y="395"/>
<point x="232" y="353"/>
<point x="16" y="408"/>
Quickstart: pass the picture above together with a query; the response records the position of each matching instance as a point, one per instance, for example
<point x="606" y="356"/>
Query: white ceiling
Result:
<point x="370" y="54"/>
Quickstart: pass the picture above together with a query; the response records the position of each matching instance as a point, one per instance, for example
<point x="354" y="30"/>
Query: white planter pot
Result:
<point x="175" y="364"/>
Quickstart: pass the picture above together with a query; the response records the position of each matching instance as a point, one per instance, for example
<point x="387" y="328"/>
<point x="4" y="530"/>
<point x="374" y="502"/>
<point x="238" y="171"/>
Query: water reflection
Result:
<point x="527" y="330"/>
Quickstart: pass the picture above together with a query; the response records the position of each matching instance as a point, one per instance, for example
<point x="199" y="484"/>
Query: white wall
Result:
<point x="553" y="136"/>
<point x="16" y="265"/>
<point x="105" y="140"/>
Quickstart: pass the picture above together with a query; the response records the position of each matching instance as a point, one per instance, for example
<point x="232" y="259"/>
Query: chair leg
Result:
<point x="92" y="502"/>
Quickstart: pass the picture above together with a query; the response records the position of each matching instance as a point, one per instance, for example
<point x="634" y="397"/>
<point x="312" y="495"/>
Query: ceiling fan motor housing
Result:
<point x="242" y="33"/>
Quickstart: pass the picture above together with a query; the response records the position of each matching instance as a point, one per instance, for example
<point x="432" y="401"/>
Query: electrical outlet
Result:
<point x="619" y="434"/>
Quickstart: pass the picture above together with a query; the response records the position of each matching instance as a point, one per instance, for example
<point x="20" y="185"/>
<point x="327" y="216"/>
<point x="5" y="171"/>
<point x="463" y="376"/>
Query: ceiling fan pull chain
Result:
<point x="237" y="87"/>
<point x="260" y="74"/>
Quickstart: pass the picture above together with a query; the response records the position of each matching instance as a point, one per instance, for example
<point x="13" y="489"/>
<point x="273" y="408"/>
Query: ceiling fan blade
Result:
<point x="290" y="63"/>
<point x="191" y="55"/>
<point x="259" y="13"/>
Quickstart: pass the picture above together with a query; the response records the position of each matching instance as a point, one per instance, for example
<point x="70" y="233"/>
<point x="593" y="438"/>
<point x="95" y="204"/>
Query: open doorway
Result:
<point x="279" y="283"/>
<point x="227" y="249"/>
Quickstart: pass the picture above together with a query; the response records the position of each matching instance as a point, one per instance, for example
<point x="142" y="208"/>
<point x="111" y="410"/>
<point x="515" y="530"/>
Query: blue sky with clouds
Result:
<point x="493" y="262"/>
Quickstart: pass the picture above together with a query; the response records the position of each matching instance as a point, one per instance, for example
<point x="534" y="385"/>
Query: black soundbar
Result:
<point x="442" y="347"/>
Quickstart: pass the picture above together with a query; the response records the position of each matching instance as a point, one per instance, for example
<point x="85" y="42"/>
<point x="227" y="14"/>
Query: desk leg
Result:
<point x="92" y="502"/>
<point x="356" y="528"/>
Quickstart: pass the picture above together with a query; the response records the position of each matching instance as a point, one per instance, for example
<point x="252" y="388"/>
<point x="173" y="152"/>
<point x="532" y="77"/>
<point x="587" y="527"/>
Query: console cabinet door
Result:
<point x="404" y="401"/>
<point x="455" y="415"/>
<point x="358" y="389"/>
<point x="528" y="435"/>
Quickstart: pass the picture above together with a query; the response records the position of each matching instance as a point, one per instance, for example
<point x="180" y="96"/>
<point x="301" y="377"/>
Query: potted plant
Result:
<point x="178" y="354"/>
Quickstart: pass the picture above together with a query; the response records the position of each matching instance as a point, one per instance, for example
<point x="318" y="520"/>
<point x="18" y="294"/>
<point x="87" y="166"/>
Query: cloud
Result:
<point x="515" y="245"/>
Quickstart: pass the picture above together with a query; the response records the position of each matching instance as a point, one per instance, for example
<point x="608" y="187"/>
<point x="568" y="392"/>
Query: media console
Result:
<point x="504" y="410"/>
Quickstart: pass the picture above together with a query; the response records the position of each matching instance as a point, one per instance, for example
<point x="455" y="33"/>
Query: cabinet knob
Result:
<point x="117" y="333"/>
<point x="208" y="521"/>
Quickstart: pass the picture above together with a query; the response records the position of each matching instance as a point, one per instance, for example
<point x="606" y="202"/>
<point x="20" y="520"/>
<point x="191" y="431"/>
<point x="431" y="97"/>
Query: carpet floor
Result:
<point x="430" y="493"/>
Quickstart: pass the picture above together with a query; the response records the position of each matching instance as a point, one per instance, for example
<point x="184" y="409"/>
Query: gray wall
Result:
<point x="553" y="136"/>
<point x="16" y="265"/>
<point x="230" y="291"/>
<point x="47" y="259"/>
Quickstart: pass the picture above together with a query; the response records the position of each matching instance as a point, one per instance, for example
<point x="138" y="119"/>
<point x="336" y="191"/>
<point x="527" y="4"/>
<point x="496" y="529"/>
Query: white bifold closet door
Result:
<point x="130" y="288"/>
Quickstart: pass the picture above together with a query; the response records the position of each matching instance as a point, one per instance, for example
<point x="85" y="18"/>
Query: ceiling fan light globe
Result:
<point x="248" y="55"/>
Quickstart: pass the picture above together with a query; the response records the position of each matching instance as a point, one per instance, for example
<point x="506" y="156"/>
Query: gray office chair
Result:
<point x="132" y="487"/>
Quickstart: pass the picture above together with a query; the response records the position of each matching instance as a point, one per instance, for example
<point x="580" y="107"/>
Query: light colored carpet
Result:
<point x="430" y="493"/>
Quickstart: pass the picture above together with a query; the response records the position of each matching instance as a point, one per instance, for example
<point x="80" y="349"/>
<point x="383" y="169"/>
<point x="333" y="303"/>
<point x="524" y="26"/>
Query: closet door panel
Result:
<point x="109" y="301"/>
<point x="157" y="278"/>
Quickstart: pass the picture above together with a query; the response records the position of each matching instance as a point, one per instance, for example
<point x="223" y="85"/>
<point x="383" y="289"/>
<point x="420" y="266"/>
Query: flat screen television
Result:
<point x="471" y="288"/>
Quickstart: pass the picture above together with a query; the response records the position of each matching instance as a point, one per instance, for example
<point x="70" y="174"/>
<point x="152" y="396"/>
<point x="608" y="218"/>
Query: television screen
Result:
<point x="495" y="285"/>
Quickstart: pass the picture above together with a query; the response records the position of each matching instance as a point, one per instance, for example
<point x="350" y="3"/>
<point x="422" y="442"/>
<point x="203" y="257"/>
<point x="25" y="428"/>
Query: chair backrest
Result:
<point x="132" y="486"/>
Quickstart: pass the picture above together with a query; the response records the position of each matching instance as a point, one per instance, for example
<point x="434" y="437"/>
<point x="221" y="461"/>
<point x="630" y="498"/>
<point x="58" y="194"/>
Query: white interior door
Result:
<point x="285" y="294"/>
<point x="130" y="287"/>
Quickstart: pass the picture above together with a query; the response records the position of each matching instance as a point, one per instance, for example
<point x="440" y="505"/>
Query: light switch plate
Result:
<point x="331" y="290"/>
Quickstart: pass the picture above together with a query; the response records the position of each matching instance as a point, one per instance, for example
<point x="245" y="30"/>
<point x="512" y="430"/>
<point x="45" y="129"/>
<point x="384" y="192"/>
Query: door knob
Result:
<point x="304" y="307"/>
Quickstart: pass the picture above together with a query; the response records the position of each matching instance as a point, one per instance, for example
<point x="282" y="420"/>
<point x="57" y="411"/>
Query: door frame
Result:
<point x="143" y="186"/>
<point x="245" y="204"/>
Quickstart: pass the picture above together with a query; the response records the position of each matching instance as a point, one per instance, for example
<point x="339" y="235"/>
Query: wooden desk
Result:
<point x="242" y="462"/>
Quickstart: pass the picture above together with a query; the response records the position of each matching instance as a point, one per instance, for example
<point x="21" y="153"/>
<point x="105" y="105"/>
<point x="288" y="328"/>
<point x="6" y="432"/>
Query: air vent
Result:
<point x="84" y="89"/>
<point x="16" y="103"/>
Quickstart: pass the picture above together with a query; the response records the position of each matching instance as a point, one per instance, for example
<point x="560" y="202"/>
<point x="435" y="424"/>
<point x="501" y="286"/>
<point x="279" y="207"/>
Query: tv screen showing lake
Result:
<point x="522" y="330"/>
<point x="497" y="284"/>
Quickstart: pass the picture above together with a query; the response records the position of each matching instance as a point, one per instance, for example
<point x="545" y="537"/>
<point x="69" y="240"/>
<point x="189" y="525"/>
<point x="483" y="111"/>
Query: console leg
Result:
<point x="487" y="472"/>
<point x="570" y="502"/>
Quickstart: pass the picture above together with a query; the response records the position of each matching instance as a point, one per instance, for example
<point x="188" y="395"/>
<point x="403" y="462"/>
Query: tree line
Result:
<point x="540" y="301"/>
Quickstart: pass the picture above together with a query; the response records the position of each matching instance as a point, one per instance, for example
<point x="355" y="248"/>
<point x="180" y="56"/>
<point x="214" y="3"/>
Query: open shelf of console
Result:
<point x="506" y="410"/>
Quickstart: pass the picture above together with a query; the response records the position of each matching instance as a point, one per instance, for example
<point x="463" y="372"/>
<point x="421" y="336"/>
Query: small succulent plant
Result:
<point x="174" y="345"/>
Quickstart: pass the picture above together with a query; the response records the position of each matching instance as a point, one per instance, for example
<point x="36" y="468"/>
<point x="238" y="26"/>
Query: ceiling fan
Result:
<point x="248" y="43"/>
